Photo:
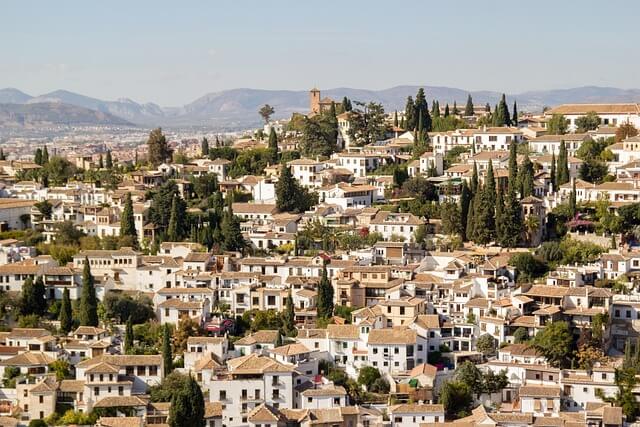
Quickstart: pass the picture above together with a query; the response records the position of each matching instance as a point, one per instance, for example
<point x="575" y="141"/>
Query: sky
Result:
<point x="172" y="52"/>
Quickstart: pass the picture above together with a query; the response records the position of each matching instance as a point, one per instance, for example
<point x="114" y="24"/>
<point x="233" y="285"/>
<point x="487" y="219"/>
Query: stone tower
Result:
<point x="314" y="100"/>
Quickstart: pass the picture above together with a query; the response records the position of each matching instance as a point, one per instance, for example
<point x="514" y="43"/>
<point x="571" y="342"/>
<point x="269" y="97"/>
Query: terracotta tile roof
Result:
<point x="122" y="401"/>
<point x="259" y="337"/>
<point x="120" y="422"/>
<point x="574" y="109"/>
<point x="325" y="392"/>
<point x="416" y="408"/>
<point x="28" y="359"/>
<point x="256" y="364"/>
<point x="212" y="409"/>
<point x="424" y="369"/>
<point x="350" y="332"/>
<point x="539" y="391"/>
<point x="428" y="321"/>
<point x="290" y="350"/>
<point x="392" y="336"/>
<point x="123" y="360"/>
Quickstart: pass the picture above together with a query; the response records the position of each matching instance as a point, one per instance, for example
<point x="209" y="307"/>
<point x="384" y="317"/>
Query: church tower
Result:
<point x="314" y="100"/>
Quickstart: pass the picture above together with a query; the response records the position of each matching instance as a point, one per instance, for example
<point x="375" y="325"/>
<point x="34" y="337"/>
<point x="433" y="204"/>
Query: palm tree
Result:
<point x="532" y="224"/>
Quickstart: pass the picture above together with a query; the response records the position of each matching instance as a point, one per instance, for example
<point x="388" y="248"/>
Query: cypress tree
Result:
<point x="88" y="302"/>
<point x="436" y="109"/>
<point x="27" y="296"/>
<point x="100" y="162"/>
<point x="563" y="165"/>
<point x="173" y="233"/>
<point x="273" y="144"/>
<point x="167" y="355"/>
<point x="494" y="116"/>
<point x="499" y="214"/>
<point x="487" y="108"/>
<point x="109" y="160"/>
<point x="474" y="179"/>
<point x="187" y="406"/>
<point x="403" y="124"/>
<point x="433" y="109"/>
<point x="485" y="220"/>
<point x="346" y="104"/>
<point x="395" y="119"/>
<point x="422" y="110"/>
<point x="468" y="108"/>
<point x="127" y="222"/>
<point x="572" y="200"/>
<point x="33" y="300"/>
<point x="490" y="185"/>
<point x="128" y="336"/>
<point x="45" y="155"/>
<point x="446" y="110"/>
<point x="553" y="173"/>
<point x="325" y="296"/>
<point x="514" y="120"/>
<point x="455" y="111"/>
<point x="526" y="178"/>
<point x="465" y="203"/>
<point x="39" y="297"/>
<point x="66" y="314"/>
<point x="289" y="317"/>
<point x="513" y="165"/>
<point x="232" y="239"/>
<point x="511" y="222"/>
<point x="409" y="114"/>
<point x="2" y="156"/>
<point x="37" y="158"/>
<point x="204" y="147"/>
<point x="502" y="117"/>
<point x="287" y="191"/>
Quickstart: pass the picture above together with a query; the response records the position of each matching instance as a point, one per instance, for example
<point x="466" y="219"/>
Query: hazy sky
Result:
<point x="171" y="52"/>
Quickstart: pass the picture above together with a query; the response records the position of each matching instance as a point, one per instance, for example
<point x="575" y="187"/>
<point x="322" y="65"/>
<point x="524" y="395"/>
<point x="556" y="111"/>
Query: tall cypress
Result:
<point x="325" y="296"/>
<point x="127" y="222"/>
<point x="526" y="178"/>
<point x="395" y="119"/>
<point x="465" y="203"/>
<point x="109" y="160"/>
<point x="474" y="179"/>
<point x="572" y="200"/>
<point x="409" y="115"/>
<point x="499" y="214"/>
<point x="37" y="158"/>
<point x="289" y="316"/>
<point x="167" y="355"/>
<point x="45" y="155"/>
<point x="100" y="162"/>
<point x="128" y="336"/>
<point x="552" y="173"/>
<point x="172" y="228"/>
<point x="66" y="313"/>
<point x="485" y="219"/>
<point x="232" y="239"/>
<point x="490" y="184"/>
<point x="187" y="406"/>
<point x="455" y="111"/>
<point x="446" y="110"/>
<point x="204" y="147"/>
<point x="511" y="221"/>
<point x="514" y="120"/>
<point x="88" y="302"/>
<point x="273" y="144"/>
<point x="468" y="108"/>
<point x="422" y="110"/>
<point x="563" y="165"/>
<point x="2" y="155"/>
<point x="513" y="164"/>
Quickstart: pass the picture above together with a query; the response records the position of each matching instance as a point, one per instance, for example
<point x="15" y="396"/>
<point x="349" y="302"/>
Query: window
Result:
<point x="96" y="391"/>
<point x="223" y="395"/>
<point x="142" y="370"/>
<point x="153" y="370"/>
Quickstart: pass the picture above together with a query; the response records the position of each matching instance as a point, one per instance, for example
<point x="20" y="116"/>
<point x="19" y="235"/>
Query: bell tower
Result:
<point x="314" y="100"/>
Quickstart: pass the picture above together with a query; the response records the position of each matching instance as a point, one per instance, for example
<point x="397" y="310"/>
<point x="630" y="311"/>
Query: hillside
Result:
<point x="48" y="114"/>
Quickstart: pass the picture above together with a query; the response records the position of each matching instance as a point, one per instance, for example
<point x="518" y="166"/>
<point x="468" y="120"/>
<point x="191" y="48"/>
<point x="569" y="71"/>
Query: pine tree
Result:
<point x="514" y="120"/>
<point x="465" y="203"/>
<point x="100" y="162"/>
<point x="167" y="355"/>
<point x="468" y="108"/>
<point x="45" y="155"/>
<point x="553" y="173"/>
<point x="446" y="110"/>
<point x="66" y="314"/>
<point x="32" y="300"/>
<point x="128" y="336"/>
<point x="395" y="119"/>
<point x="204" y="147"/>
<point x="502" y="117"/>
<point x="526" y="178"/>
<point x="289" y="317"/>
<point x="562" y="166"/>
<point x="409" y="115"/>
<point x="187" y="406"/>
<point x="127" y="222"/>
<point x="88" y="315"/>
<point x="325" y="296"/>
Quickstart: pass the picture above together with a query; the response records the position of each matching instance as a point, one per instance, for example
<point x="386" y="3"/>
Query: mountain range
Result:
<point x="238" y="108"/>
